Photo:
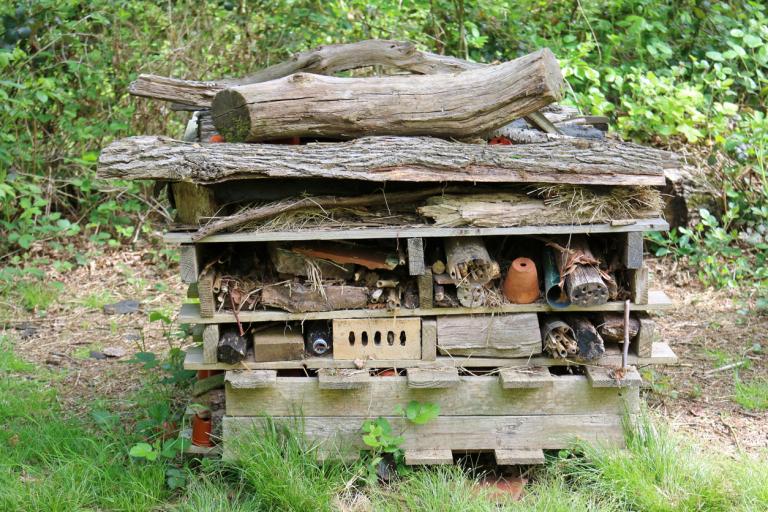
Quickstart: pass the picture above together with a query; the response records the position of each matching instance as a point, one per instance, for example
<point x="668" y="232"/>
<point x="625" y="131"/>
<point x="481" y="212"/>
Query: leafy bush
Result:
<point x="667" y="71"/>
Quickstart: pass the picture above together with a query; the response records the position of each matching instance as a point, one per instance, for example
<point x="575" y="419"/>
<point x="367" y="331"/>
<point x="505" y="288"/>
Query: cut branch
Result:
<point x="382" y="159"/>
<point x="325" y="60"/>
<point x="470" y="103"/>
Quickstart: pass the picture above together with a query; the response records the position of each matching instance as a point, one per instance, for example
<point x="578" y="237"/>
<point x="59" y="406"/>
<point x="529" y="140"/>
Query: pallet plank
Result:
<point x="515" y="457"/>
<point x="549" y="432"/>
<point x="190" y="313"/>
<point x="426" y="231"/>
<point x="526" y="377"/>
<point x="432" y="377"/>
<point x="568" y="394"/>
<point x="428" y="457"/>
<point x="344" y="378"/>
<point x="250" y="379"/>
<point x="602" y="377"/>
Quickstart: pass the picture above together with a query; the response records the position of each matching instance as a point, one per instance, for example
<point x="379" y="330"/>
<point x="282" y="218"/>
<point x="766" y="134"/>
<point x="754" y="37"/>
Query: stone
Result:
<point x="124" y="307"/>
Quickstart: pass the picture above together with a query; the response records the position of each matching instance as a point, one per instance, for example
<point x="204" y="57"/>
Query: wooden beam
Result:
<point x="602" y="377"/>
<point x="638" y="287"/>
<point x="478" y="395"/>
<point x="192" y="291"/>
<point x="513" y="335"/>
<point x="189" y="263"/>
<point x="211" y="344"/>
<point x="428" y="339"/>
<point x="425" y="231"/>
<point x="416" y="266"/>
<point x="191" y="313"/>
<point x="431" y="378"/>
<point x="207" y="302"/>
<point x="632" y="254"/>
<point x="383" y="159"/>
<point x="331" y="378"/>
<point x="279" y="343"/>
<point x="193" y="202"/>
<point x="426" y="285"/>
<point x="250" y="379"/>
<point x="455" y="432"/>
<point x="661" y="354"/>
<point x="526" y="377"/>
<point x="643" y="342"/>
<point x="428" y="457"/>
<point x="518" y="457"/>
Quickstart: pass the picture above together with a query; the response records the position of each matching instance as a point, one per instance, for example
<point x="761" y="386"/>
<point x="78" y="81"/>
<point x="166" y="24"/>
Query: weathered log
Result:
<point x="469" y="103"/>
<point x="468" y="261"/>
<point x="611" y="327"/>
<point x="583" y="281"/>
<point x="349" y="254"/>
<point x="382" y="159"/>
<point x="590" y="343"/>
<point x="288" y="262"/>
<point x="324" y="60"/>
<point x="232" y="347"/>
<point x="298" y="299"/>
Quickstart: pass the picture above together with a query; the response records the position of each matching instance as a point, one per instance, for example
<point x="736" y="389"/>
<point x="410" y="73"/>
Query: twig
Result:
<point x="725" y="367"/>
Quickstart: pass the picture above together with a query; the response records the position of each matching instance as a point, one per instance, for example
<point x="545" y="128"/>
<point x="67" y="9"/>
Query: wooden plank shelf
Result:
<point x="424" y="231"/>
<point x="190" y="313"/>
<point x="660" y="354"/>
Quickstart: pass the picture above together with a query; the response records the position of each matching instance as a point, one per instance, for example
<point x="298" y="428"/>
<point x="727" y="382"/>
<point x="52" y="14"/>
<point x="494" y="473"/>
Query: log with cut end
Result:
<point x="466" y="104"/>
<point x="583" y="282"/>
<point x="324" y="60"/>
<point x="383" y="159"/>
<point x="468" y="261"/>
<point x="590" y="343"/>
<point x="300" y="299"/>
<point x="611" y="327"/>
<point x="232" y="346"/>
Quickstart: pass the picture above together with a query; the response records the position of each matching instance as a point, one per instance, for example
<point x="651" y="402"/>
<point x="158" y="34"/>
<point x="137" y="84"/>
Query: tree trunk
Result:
<point x="382" y="159"/>
<point x="467" y="104"/>
<point x="325" y="60"/>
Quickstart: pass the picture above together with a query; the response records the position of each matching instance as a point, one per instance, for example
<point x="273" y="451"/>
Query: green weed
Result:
<point x="752" y="395"/>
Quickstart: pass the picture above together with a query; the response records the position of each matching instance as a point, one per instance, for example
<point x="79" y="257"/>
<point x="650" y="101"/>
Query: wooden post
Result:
<point x="638" y="285"/>
<point x="189" y="265"/>
<point x="643" y="342"/>
<point x="210" y="344"/>
<point x="426" y="289"/>
<point x="205" y="291"/>
<point x="416" y="266"/>
<point x="193" y="202"/>
<point x="632" y="255"/>
<point x="428" y="339"/>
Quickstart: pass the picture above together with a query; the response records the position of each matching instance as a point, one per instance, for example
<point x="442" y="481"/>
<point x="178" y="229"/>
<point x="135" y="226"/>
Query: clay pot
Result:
<point x="201" y="430"/>
<point x="521" y="286"/>
<point x="203" y="374"/>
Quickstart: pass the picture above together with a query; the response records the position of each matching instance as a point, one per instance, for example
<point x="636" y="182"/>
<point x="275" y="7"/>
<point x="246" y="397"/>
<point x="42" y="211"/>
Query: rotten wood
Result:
<point x="349" y="254"/>
<point x="300" y="299"/>
<point x="468" y="261"/>
<point x="232" y="346"/>
<point x="466" y="104"/>
<point x="382" y="159"/>
<point x="324" y="60"/>
<point x="590" y="343"/>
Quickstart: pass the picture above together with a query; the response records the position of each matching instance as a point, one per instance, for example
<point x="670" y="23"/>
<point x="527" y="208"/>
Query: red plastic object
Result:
<point x="521" y="285"/>
<point x="500" y="140"/>
<point x="201" y="431"/>
<point x="203" y="374"/>
<point x="216" y="138"/>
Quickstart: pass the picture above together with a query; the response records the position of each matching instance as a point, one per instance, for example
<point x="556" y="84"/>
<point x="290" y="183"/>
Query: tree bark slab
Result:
<point x="382" y="159"/>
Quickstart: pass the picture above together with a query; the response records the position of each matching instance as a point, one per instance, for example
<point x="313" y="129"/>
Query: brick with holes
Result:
<point x="377" y="338"/>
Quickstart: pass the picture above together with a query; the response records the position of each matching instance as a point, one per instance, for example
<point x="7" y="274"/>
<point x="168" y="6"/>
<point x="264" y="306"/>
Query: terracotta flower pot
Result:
<point x="521" y="286"/>
<point x="203" y="374"/>
<point x="201" y="430"/>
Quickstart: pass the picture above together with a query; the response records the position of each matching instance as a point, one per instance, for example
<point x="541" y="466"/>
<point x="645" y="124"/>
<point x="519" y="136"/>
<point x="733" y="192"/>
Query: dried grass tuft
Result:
<point x="602" y="204"/>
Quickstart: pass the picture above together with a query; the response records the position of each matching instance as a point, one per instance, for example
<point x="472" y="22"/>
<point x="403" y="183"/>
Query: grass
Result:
<point x="752" y="395"/>
<point x="54" y="460"/>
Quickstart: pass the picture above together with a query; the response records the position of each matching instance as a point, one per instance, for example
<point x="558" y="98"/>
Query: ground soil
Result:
<point x="707" y="329"/>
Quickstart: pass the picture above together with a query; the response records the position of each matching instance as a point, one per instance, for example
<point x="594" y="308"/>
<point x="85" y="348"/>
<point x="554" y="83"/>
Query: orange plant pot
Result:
<point x="521" y="286"/>
<point x="203" y="374"/>
<point x="201" y="431"/>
